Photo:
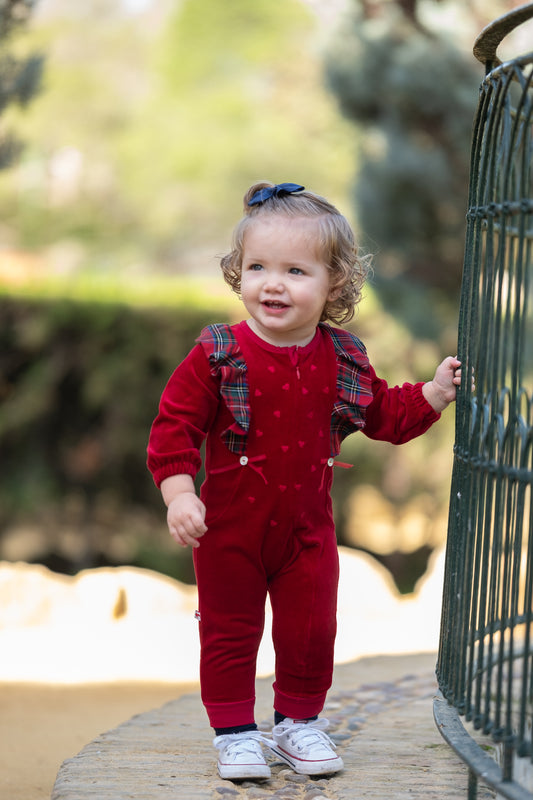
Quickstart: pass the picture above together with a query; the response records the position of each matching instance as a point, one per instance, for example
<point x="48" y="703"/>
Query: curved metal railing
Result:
<point x="485" y="661"/>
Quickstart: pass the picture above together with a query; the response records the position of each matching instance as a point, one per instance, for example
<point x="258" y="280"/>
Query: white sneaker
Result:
<point x="241" y="756"/>
<point x="305" y="746"/>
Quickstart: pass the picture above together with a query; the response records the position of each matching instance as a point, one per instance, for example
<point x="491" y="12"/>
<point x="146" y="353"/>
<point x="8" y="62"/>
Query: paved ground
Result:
<point x="381" y="714"/>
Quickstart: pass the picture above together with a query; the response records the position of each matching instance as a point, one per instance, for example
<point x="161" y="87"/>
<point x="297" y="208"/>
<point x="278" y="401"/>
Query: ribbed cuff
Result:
<point x="420" y="402"/>
<point x="298" y="707"/>
<point x="176" y="468"/>
<point x="228" y="715"/>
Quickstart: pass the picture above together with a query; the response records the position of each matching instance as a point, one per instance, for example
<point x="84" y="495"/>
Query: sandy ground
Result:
<point x="41" y="726"/>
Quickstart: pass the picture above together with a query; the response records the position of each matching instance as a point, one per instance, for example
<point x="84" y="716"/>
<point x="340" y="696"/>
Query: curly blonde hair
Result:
<point x="338" y="248"/>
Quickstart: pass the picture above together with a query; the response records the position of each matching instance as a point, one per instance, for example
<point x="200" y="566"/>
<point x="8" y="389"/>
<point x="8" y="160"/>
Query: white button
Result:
<point x="331" y="461"/>
<point x="244" y="460"/>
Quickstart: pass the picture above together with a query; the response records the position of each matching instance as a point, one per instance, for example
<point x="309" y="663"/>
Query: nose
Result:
<point x="273" y="282"/>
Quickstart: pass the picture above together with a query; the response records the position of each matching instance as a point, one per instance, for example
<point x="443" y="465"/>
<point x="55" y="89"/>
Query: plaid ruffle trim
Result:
<point x="226" y="361"/>
<point x="354" y="384"/>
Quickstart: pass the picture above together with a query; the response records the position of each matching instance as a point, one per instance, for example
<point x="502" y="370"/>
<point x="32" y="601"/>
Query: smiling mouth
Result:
<point x="275" y="304"/>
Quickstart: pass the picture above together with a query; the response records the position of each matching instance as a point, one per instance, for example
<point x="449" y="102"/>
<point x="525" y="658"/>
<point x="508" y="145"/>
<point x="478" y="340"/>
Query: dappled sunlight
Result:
<point x="126" y="624"/>
<point x="380" y="526"/>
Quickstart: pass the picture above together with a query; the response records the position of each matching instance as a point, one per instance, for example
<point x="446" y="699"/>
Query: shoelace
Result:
<point x="248" y="742"/>
<point x="310" y="733"/>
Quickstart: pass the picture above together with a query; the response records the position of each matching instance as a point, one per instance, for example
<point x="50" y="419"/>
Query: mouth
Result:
<point x="274" y="305"/>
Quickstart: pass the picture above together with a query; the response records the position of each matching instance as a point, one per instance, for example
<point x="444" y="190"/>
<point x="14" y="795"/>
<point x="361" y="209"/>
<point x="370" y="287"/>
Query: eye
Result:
<point x="296" y="271"/>
<point x="255" y="267"/>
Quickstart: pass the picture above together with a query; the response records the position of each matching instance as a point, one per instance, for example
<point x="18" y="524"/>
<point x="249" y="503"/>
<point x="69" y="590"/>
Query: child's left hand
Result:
<point x="442" y="390"/>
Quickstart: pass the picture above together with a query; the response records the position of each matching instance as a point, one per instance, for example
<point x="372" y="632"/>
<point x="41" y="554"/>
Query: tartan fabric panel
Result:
<point x="227" y="362"/>
<point x="354" y="385"/>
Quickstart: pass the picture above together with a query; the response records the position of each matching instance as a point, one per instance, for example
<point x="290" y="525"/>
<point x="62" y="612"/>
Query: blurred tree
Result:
<point x="412" y="92"/>
<point x="149" y="132"/>
<point x="19" y="76"/>
<point x="237" y="97"/>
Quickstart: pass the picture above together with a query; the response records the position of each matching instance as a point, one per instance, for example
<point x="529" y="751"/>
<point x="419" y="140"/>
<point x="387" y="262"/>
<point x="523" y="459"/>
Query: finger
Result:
<point x="189" y="530"/>
<point x="184" y="539"/>
<point x="196" y="526"/>
<point x="187" y="540"/>
<point x="188" y="524"/>
<point x="177" y="537"/>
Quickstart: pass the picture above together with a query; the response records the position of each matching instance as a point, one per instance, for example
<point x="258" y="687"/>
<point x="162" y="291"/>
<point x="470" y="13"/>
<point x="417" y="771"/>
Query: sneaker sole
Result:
<point x="237" y="772"/>
<point x="310" y="767"/>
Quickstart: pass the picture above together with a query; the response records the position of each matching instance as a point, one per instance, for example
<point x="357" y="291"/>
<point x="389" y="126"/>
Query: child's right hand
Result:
<point x="186" y="519"/>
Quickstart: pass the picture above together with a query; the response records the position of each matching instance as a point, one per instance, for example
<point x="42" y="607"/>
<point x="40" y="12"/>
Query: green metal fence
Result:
<point x="485" y="662"/>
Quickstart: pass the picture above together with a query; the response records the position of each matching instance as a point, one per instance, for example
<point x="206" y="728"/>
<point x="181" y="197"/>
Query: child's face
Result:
<point x="284" y="283"/>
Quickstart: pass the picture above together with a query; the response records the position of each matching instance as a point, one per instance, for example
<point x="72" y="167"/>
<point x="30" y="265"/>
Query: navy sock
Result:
<point x="236" y="729"/>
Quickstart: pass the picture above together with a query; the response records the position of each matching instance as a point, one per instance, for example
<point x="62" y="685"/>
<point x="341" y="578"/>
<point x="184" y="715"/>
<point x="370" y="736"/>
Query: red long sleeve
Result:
<point x="186" y="412"/>
<point x="397" y="414"/>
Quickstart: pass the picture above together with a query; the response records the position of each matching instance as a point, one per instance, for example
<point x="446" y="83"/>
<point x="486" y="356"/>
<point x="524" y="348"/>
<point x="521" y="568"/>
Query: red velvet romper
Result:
<point x="274" y="418"/>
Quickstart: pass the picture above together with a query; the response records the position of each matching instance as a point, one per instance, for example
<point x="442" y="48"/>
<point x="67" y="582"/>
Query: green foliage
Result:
<point x="169" y="127"/>
<point x="13" y="13"/>
<point x="237" y="97"/>
<point x="80" y="387"/>
<point x="20" y="76"/>
<point x="204" y="41"/>
<point x="195" y="293"/>
<point x="413" y="93"/>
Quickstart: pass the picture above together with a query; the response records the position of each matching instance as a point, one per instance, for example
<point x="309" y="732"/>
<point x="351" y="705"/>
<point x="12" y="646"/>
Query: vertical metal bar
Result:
<point x="485" y="662"/>
<point x="472" y="785"/>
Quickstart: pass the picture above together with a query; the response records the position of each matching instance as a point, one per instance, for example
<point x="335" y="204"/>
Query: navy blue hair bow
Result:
<point x="278" y="190"/>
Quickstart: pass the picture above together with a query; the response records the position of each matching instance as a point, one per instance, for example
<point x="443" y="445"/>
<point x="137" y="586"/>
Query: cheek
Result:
<point x="316" y="299"/>
<point x="248" y="286"/>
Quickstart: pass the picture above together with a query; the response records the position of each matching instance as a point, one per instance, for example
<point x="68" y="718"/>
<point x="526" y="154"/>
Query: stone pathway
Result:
<point x="381" y="716"/>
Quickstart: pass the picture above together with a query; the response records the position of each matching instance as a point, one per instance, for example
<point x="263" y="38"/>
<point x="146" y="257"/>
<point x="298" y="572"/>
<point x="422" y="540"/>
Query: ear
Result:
<point x="334" y="294"/>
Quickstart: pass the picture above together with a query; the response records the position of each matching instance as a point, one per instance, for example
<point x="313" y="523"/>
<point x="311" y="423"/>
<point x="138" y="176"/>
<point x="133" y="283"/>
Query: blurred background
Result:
<point x="129" y="132"/>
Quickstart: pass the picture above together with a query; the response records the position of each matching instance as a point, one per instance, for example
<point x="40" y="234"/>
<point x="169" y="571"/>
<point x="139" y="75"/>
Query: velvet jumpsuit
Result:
<point x="273" y="418"/>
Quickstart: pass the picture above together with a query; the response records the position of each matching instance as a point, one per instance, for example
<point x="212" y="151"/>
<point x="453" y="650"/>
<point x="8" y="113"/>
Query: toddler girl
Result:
<point x="274" y="396"/>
